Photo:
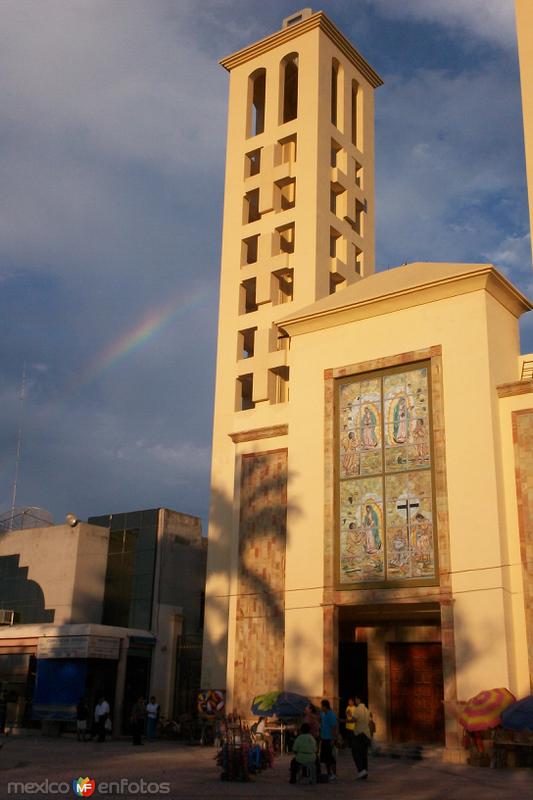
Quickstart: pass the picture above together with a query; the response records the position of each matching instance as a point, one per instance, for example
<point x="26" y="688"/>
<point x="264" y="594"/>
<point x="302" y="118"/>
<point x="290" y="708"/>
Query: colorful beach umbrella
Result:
<point x="519" y="716"/>
<point x="279" y="704"/>
<point x="485" y="709"/>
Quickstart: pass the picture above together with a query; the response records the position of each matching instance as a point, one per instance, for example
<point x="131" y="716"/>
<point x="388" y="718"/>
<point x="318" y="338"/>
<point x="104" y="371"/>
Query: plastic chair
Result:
<point x="307" y="773"/>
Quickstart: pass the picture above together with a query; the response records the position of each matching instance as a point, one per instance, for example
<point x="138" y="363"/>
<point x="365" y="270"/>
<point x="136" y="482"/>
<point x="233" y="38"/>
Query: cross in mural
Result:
<point x="406" y="506"/>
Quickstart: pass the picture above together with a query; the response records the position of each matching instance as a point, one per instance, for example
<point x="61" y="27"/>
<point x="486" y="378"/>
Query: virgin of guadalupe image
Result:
<point x="371" y="530"/>
<point x="368" y="429"/>
<point x="400" y="421"/>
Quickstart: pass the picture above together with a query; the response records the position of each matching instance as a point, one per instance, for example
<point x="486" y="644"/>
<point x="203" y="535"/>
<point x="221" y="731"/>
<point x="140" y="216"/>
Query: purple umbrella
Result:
<point x="519" y="716"/>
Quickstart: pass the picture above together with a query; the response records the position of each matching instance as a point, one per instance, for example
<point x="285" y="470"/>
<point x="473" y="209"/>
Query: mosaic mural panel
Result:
<point x="361" y="530"/>
<point x="360" y="427"/>
<point x="406" y="420"/>
<point x="409" y="520"/>
<point x="385" y="494"/>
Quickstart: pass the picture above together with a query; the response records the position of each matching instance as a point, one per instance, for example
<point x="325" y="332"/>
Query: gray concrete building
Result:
<point x="113" y="606"/>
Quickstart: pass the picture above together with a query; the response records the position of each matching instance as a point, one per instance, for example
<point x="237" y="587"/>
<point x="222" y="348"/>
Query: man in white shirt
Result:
<point x="152" y="715"/>
<point x="101" y="715"/>
<point x="360" y="738"/>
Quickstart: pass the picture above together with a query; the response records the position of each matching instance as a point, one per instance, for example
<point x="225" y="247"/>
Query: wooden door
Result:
<point x="417" y="693"/>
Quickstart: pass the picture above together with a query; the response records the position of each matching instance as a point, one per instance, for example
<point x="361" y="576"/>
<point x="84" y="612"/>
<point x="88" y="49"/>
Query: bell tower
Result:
<point x="298" y="226"/>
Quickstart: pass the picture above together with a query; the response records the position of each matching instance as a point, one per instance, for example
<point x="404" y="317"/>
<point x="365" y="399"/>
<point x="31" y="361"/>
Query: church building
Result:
<point x="372" y="474"/>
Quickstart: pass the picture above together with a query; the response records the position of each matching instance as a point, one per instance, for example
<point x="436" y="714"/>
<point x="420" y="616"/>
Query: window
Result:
<point x="285" y="194"/>
<point x="129" y="577"/>
<point x="252" y="163"/>
<point x="257" y="109"/>
<point x="385" y="494"/>
<point x="358" y="174"/>
<point x="335" y="149"/>
<point x="336" y="282"/>
<point x="283" y="286"/>
<point x="247" y="297"/>
<point x="246" y="343"/>
<point x="251" y="211"/>
<point x="356" y="92"/>
<point x="279" y="339"/>
<point x="333" y="238"/>
<point x="360" y="209"/>
<point x="278" y="390"/>
<point x="245" y="386"/>
<point x="357" y="259"/>
<point x="332" y="200"/>
<point x="335" y="67"/>
<point x="286" y="150"/>
<point x="335" y="193"/>
<point x="289" y="76"/>
<point x="284" y="239"/>
<point x="250" y="249"/>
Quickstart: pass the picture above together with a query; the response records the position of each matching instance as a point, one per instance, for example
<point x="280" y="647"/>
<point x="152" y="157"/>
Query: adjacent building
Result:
<point x="113" y="606"/>
<point x="370" y="523"/>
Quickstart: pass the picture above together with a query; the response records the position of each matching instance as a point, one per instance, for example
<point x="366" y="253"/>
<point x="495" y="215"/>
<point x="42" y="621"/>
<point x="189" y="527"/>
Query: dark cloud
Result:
<point x="111" y="167"/>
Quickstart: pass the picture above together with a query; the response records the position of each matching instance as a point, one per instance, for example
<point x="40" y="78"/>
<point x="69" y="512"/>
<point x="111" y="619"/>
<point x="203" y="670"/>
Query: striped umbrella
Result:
<point x="484" y="710"/>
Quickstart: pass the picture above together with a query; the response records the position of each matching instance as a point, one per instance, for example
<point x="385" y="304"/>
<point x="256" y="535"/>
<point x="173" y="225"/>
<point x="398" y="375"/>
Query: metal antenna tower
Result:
<point x="22" y="398"/>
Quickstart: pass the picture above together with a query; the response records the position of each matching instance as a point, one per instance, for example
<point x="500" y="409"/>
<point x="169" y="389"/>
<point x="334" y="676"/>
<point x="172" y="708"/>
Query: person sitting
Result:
<point x="304" y="748"/>
<point x="260" y="731"/>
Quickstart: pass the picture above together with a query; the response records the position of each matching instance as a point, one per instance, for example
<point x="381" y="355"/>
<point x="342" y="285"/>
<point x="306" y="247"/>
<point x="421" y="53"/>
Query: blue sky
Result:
<point x="112" y="144"/>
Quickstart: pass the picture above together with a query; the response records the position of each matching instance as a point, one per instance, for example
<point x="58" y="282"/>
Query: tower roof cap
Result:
<point x="294" y="29"/>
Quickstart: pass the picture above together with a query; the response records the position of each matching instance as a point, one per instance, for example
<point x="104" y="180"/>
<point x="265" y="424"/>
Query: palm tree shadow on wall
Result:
<point x="262" y="520"/>
<point x="20" y="594"/>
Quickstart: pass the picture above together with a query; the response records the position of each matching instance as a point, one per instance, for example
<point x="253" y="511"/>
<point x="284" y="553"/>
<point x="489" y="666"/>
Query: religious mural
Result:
<point x="361" y="529"/>
<point x="385" y="487"/>
<point x="360" y="427"/>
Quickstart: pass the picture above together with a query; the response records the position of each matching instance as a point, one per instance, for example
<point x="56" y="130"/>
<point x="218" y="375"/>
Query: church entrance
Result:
<point x="391" y="655"/>
<point x="416" y="692"/>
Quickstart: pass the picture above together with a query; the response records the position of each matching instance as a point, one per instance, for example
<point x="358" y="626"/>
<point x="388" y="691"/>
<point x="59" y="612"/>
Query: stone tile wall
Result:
<point x="523" y="447"/>
<point x="260" y="626"/>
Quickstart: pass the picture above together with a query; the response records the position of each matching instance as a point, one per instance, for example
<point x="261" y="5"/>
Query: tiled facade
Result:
<point x="260" y="606"/>
<point x="523" y="446"/>
<point x="334" y="598"/>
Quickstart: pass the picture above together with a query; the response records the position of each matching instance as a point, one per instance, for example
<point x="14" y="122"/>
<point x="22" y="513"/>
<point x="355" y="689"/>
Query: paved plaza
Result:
<point x="192" y="774"/>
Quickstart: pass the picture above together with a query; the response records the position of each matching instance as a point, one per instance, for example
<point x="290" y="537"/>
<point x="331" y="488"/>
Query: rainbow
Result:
<point x="153" y="323"/>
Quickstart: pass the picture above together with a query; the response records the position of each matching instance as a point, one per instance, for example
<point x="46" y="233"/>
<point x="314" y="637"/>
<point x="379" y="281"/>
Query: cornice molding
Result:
<point x="485" y="278"/>
<point x="318" y="20"/>
<point x="515" y="388"/>
<point x="259" y="433"/>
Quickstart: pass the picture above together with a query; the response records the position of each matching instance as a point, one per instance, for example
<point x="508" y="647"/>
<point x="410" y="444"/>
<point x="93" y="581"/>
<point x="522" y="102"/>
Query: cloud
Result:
<point x="490" y="20"/>
<point x="111" y="171"/>
<point x="514" y="256"/>
<point x="98" y="108"/>
<point x="450" y="173"/>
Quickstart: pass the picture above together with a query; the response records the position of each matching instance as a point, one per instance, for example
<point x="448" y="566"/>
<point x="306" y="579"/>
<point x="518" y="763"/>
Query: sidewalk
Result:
<point x="193" y="774"/>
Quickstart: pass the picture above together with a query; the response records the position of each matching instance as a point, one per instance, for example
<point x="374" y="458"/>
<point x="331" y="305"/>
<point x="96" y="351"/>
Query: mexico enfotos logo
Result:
<point x="85" y="787"/>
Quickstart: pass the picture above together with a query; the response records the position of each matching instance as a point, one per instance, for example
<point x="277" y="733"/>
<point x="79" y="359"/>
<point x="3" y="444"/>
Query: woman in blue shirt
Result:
<point x="328" y="738"/>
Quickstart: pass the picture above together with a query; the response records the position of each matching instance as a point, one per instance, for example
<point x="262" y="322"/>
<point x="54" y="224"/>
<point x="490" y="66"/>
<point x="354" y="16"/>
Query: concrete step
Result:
<point x="407" y="750"/>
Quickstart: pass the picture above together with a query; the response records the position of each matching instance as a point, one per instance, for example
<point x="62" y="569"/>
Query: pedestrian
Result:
<point x="361" y="738"/>
<point x="138" y="717"/>
<point x="101" y="716"/>
<point x="312" y="717"/>
<point x="304" y="749"/>
<point x="350" y="722"/>
<point x="328" y="739"/>
<point x="152" y="717"/>
<point x="82" y="716"/>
